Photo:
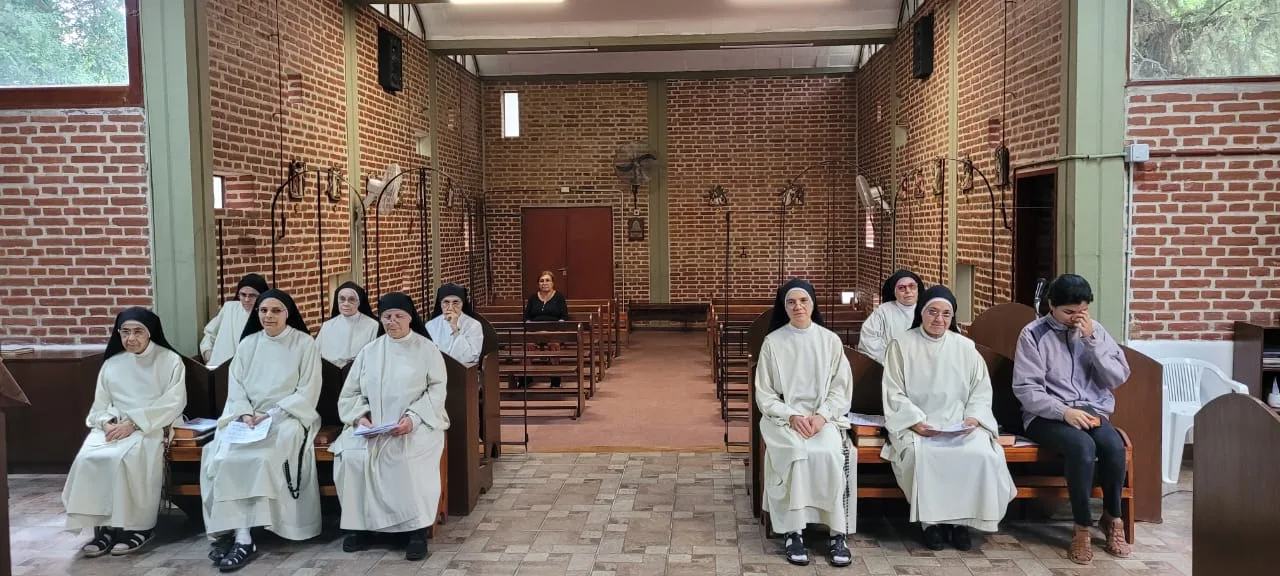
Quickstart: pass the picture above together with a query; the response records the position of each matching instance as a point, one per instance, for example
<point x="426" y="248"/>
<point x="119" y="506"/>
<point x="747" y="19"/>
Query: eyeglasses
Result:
<point x="451" y="303"/>
<point x="797" y="303"/>
<point x="937" y="314"/>
<point x="131" y="332"/>
<point x="349" y="300"/>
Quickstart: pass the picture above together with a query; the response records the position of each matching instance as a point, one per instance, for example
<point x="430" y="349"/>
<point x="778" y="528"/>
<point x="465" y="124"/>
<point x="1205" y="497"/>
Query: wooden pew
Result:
<point x="516" y="361"/>
<point x="729" y="328"/>
<point x="206" y="389"/>
<point x="11" y="397"/>
<point x="612" y="327"/>
<point x="596" y="353"/>
<point x="1236" y="504"/>
<point x="60" y="385"/>
<point x="685" y="313"/>
<point x="471" y="469"/>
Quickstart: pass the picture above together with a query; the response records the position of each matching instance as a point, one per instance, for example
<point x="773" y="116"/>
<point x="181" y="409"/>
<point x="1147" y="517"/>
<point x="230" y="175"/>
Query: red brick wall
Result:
<point x="73" y="223"/>
<point x="460" y="149"/>
<point x="750" y="135"/>
<point x="1206" y="209"/>
<point x="569" y="133"/>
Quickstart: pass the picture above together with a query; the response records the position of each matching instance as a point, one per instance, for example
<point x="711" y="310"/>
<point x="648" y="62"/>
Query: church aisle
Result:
<point x="657" y="396"/>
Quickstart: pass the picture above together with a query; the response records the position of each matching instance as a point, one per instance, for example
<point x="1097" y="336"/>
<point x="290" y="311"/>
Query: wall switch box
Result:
<point x="1137" y="153"/>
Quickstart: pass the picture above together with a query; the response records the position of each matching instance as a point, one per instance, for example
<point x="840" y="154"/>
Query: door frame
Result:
<point x="1018" y="175"/>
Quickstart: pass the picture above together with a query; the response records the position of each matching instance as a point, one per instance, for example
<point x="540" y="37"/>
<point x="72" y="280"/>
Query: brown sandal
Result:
<point x="1081" y="549"/>
<point x="1117" y="545"/>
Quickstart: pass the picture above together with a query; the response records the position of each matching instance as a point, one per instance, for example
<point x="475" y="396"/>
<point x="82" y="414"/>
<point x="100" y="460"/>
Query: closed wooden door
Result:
<point x="574" y="244"/>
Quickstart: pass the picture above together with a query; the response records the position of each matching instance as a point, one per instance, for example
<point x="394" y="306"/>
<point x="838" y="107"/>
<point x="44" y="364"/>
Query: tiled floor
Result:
<point x="602" y="515"/>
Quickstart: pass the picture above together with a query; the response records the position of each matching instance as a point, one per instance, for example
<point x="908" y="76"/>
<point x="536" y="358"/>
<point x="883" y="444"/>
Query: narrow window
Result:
<point x="219" y="192"/>
<point x="510" y="115"/>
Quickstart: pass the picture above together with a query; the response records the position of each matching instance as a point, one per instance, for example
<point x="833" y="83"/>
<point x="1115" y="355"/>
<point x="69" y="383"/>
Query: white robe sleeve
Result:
<point x="103" y="409"/>
<point x="978" y="406"/>
<point x="167" y="407"/>
<point x="768" y="397"/>
<point x="900" y="413"/>
<point x="466" y="347"/>
<point x="352" y="403"/>
<point x="211" y="333"/>
<point x="840" y="393"/>
<point x="301" y="404"/>
<point x="873" y="337"/>
<point x="429" y="408"/>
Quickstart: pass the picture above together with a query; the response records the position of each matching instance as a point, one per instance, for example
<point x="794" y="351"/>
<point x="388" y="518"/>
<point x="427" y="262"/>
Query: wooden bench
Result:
<point x="517" y="361"/>
<point x="686" y="313"/>
<point x="610" y="319"/>
<point x="475" y="425"/>
<point x="596" y="354"/>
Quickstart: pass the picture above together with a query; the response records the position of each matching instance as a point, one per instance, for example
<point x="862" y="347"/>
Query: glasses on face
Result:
<point x="131" y="332"/>
<point x="797" y="303"/>
<point x="348" y="299"/>
<point x="943" y="314"/>
<point x="395" y="318"/>
<point x="451" y="303"/>
<point x="907" y="288"/>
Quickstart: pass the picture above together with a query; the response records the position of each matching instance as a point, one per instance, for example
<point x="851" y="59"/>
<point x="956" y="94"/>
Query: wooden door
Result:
<point x="1034" y="234"/>
<point x="574" y="244"/>
<point x="542" y="240"/>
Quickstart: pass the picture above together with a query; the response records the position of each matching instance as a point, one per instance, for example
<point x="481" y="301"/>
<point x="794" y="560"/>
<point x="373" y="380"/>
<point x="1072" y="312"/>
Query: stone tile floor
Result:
<point x="602" y="514"/>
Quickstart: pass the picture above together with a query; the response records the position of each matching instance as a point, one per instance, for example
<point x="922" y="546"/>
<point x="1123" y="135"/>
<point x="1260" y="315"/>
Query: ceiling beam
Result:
<point x="662" y="42"/>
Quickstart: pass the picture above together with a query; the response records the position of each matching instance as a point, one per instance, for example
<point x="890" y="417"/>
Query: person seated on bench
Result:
<point x="274" y="381"/>
<point x="390" y="483"/>
<point x="452" y="327"/>
<point x="804" y="387"/>
<point x="892" y="317"/>
<point x="934" y="378"/>
<point x="222" y="333"/>
<point x="546" y="305"/>
<point x="115" y="481"/>
<point x="1064" y="369"/>
<point x="351" y="326"/>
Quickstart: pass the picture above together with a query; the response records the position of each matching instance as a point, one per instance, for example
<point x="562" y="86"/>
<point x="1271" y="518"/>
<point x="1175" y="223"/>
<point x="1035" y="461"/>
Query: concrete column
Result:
<point x="659" y="222"/>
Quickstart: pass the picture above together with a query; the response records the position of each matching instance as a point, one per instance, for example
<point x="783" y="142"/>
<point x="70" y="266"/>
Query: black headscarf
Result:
<point x="780" y="317"/>
<point x="295" y="318"/>
<point x="401" y="301"/>
<point x="938" y="291"/>
<point x="452" y="289"/>
<point x="142" y="316"/>
<point x="889" y="292"/>
<point x="364" y="300"/>
<point x="253" y="281"/>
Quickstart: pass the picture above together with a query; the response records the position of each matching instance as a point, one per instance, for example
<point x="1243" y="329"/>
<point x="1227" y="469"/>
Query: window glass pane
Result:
<point x="63" y="43"/>
<point x="510" y="115"/>
<point x="870" y="232"/>
<point x="1172" y="39"/>
<point x="218" y="192"/>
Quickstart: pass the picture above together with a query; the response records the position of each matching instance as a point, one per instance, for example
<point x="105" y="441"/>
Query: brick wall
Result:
<point x="569" y="133"/>
<point x="1206" y="223"/>
<point x="462" y="252"/>
<point x="73" y="223"/>
<point x="750" y="135"/>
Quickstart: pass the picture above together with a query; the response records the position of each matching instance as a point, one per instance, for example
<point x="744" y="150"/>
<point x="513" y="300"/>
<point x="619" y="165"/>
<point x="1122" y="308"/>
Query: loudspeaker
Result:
<point x="922" y="47"/>
<point x="390" y="61"/>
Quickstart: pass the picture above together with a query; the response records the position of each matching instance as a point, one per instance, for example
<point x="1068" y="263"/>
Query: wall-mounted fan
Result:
<point x="384" y="191"/>
<point x="634" y="165"/>
<point x="872" y="196"/>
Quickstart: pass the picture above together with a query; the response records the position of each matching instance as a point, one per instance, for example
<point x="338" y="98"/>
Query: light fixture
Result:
<point x="791" y="45"/>
<point x="465" y="2"/>
<point x="555" y="51"/>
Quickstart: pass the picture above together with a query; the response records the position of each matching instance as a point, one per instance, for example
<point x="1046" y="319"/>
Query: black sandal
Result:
<point x="130" y="542"/>
<point x="220" y="547"/>
<point x="103" y="539"/>
<point x="238" y="557"/>
<point x="355" y="542"/>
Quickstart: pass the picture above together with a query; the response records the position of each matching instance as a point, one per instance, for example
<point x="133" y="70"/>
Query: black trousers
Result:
<point x="1081" y="449"/>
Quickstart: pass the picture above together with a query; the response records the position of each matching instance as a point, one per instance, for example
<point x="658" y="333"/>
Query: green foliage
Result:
<point x="1204" y="39"/>
<point x="63" y="43"/>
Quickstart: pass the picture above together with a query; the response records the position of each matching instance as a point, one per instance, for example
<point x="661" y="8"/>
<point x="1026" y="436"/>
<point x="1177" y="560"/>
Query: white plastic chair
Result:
<point x="1188" y="384"/>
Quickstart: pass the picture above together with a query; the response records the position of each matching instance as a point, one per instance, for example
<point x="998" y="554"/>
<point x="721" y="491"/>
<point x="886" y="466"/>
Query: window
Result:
<point x="407" y="17"/>
<point x="219" y="192"/>
<point x="510" y="115"/>
<point x="1182" y="39"/>
<point x="69" y="53"/>
<point x="870" y="232"/>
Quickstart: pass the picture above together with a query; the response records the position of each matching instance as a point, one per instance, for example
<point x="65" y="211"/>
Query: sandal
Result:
<point x="238" y="557"/>
<point x="1081" y="549"/>
<point x="838" y="552"/>
<point x="794" y="550"/>
<point x="103" y="539"/>
<point x="1116" y="545"/>
<point x="130" y="542"/>
<point x="220" y="547"/>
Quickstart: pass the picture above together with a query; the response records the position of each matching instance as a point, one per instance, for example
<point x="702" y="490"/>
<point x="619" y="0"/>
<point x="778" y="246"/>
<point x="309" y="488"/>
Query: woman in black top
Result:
<point x="546" y="305"/>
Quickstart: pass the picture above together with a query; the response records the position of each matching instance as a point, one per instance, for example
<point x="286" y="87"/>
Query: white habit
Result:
<point x="941" y="382"/>
<point x="342" y="337"/>
<point x="888" y="321"/>
<point x="392" y="483"/>
<point x="246" y="485"/>
<point x="222" y="333"/>
<point x="118" y="483"/>
<point x="806" y="481"/>
<point x="466" y="346"/>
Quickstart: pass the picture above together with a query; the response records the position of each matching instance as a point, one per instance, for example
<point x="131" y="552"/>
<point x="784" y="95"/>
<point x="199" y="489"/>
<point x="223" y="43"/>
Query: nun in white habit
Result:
<point x="115" y="481"/>
<point x="390" y="482"/>
<point x="935" y="379"/>
<point x="803" y="386"/>
<point x="275" y="381"/>
<point x="351" y="326"/>
<point x="892" y="317"/>
<point x="222" y="333"/>
<point x="452" y="326"/>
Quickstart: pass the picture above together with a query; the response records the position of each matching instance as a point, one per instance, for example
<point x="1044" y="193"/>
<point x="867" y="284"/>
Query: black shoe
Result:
<point x="794" y="550"/>
<point x="935" y="537"/>
<point x="103" y="539"/>
<point x="416" y="549"/>
<point x="838" y="551"/>
<point x="220" y="547"/>
<point x="960" y="538"/>
<point x="130" y="542"/>
<point x="355" y="542"/>
<point x="239" y="557"/>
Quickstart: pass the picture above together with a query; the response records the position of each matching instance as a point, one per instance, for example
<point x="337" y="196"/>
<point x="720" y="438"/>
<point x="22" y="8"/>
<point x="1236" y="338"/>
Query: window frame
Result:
<point x="1128" y="66"/>
<point x="503" y="106"/>
<point x="126" y="96"/>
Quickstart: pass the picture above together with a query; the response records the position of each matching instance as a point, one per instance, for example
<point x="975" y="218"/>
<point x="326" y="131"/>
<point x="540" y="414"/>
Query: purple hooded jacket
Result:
<point x="1054" y="368"/>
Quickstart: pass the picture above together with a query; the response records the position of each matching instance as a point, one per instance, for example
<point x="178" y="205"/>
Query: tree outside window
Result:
<point x="1192" y="39"/>
<point x="61" y="53"/>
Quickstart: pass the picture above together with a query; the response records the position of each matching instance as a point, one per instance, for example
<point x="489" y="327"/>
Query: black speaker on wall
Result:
<point x="922" y="47"/>
<point x="390" y="61"/>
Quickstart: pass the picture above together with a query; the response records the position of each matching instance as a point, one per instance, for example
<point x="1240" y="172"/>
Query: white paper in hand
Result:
<point x="238" y="432"/>
<point x="374" y="431"/>
<point x="955" y="429"/>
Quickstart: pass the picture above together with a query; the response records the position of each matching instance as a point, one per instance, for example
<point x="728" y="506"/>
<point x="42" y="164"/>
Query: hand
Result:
<point x="817" y="422"/>
<point x="404" y="427"/>
<point x="924" y="429"/>
<point x="364" y="422"/>
<point x="120" y="431"/>
<point x="1084" y="324"/>
<point x="972" y="424"/>
<point x="206" y="356"/>
<point x="1081" y="420"/>
<point x="252" y="420"/>
<point x="803" y="426"/>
